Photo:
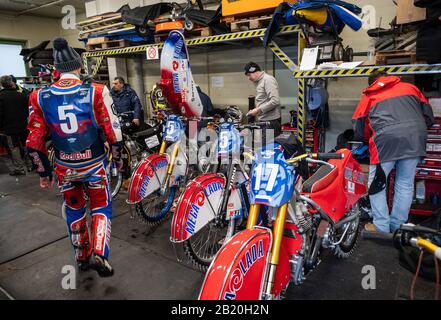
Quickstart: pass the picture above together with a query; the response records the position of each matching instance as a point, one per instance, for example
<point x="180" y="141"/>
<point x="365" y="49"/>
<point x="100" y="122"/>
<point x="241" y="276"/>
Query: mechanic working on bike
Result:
<point x="392" y="118"/>
<point x="267" y="99"/>
<point x="77" y="115"/>
<point x="125" y="99"/>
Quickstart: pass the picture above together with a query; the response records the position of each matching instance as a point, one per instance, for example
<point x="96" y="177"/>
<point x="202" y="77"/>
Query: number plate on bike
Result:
<point x="173" y="129"/>
<point x="272" y="179"/>
<point x="152" y="142"/>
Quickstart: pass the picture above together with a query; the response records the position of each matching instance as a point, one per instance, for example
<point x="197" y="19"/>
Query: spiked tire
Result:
<point x="350" y="241"/>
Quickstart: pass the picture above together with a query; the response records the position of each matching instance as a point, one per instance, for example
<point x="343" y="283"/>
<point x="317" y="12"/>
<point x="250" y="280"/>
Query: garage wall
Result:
<point x="27" y="28"/>
<point x="344" y="94"/>
<point x="228" y="64"/>
<point x="34" y="30"/>
<point x="231" y="87"/>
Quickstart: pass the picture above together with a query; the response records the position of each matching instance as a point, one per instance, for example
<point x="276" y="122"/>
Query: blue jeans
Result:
<point x="404" y="186"/>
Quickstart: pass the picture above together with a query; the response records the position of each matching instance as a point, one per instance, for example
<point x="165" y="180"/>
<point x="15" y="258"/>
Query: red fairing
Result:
<point x="144" y="175"/>
<point x="36" y="126"/>
<point x="350" y="179"/>
<point x="174" y="99"/>
<point x="238" y="270"/>
<point x="166" y="84"/>
<point x="291" y="246"/>
<point x="193" y="210"/>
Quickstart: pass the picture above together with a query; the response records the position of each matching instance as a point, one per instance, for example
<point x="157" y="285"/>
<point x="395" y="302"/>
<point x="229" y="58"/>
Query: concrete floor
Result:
<point x="34" y="248"/>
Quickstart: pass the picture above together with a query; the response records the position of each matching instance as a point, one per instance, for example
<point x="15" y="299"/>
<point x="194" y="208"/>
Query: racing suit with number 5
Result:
<point x="79" y="119"/>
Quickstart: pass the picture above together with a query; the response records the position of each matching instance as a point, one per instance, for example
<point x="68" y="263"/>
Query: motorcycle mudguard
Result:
<point x="234" y="205"/>
<point x="195" y="206"/>
<point x="147" y="177"/>
<point x="239" y="268"/>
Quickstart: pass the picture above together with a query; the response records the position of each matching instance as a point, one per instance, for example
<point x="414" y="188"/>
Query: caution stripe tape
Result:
<point x="192" y="42"/>
<point x="98" y="65"/>
<point x="301" y="111"/>
<point x="282" y="56"/>
<point x="366" y="71"/>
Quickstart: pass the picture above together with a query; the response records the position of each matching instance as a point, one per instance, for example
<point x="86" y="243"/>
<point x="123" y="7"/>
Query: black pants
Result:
<point x="275" y="125"/>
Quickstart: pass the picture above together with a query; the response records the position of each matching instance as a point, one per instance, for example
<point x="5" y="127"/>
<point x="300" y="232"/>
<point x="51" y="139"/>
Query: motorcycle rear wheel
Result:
<point x="349" y="243"/>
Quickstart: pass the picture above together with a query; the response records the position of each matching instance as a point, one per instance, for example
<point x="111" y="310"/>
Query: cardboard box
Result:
<point x="407" y="12"/>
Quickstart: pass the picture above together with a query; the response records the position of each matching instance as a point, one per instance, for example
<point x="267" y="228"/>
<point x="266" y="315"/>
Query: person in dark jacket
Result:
<point x="207" y="106"/>
<point x="20" y="88"/>
<point x="125" y="99"/>
<point x="14" y="112"/>
<point x="392" y="118"/>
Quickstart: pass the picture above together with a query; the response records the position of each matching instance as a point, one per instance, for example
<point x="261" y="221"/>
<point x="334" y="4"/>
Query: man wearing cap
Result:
<point x="77" y="116"/>
<point x="267" y="97"/>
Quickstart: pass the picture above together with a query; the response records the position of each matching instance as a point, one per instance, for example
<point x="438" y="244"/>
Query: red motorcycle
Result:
<point x="323" y="212"/>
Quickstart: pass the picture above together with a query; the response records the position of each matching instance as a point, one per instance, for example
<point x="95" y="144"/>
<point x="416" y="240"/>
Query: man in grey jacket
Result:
<point x="267" y="97"/>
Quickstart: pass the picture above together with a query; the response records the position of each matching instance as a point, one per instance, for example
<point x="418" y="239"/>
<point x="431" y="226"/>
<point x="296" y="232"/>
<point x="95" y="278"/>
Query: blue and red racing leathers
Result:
<point x="79" y="119"/>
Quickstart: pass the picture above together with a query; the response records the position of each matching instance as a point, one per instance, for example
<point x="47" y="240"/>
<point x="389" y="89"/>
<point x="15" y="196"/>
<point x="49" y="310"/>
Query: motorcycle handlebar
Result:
<point x="148" y="132"/>
<point x="254" y="125"/>
<point x="328" y="156"/>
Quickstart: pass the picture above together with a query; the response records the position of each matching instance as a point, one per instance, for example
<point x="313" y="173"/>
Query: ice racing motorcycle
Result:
<point x="213" y="205"/>
<point x="156" y="180"/>
<point x="260" y="263"/>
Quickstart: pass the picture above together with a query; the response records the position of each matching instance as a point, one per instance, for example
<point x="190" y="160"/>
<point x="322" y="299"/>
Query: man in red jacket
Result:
<point x="78" y="117"/>
<point x="392" y="118"/>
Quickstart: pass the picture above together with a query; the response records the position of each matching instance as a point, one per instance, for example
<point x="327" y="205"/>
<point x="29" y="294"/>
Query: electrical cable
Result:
<point x="414" y="280"/>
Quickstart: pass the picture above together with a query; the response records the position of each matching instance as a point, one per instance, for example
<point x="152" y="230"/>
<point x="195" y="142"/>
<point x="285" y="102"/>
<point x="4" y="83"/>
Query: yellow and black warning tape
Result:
<point x="366" y="71"/>
<point x="282" y="56"/>
<point x="301" y="112"/>
<point x="193" y="42"/>
<point x="98" y="65"/>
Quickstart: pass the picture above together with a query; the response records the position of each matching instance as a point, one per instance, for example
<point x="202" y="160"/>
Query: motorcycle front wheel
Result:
<point x="155" y="207"/>
<point x="203" y="246"/>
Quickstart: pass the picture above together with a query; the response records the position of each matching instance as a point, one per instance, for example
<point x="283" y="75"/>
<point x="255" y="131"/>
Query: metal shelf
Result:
<point x="237" y="36"/>
<point x="408" y="69"/>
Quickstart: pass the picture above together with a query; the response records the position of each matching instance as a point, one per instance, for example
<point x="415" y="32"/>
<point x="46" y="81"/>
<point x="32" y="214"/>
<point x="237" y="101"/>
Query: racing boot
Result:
<point x="84" y="265"/>
<point x="102" y="266"/>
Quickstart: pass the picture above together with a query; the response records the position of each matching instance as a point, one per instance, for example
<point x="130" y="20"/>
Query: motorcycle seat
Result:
<point x="324" y="176"/>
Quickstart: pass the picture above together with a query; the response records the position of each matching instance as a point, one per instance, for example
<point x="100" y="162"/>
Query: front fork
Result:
<point x="170" y="165"/>
<point x="279" y="226"/>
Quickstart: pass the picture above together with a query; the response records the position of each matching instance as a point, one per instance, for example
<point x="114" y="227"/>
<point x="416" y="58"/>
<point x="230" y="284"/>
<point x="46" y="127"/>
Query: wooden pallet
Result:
<point x="395" y="57"/>
<point x="113" y="44"/>
<point x="189" y="34"/>
<point x="199" y="32"/>
<point x="249" y="23"/>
